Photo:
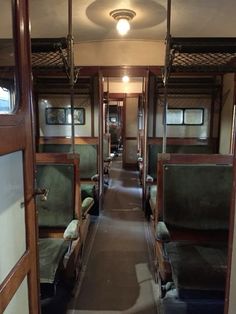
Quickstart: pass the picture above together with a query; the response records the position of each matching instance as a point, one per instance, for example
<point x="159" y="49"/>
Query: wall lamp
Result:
<point x="123" y="16"/>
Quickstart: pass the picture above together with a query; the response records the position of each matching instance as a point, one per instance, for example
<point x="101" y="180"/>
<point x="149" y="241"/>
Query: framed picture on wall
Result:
<point x="62" y="115"/>
<point x="55" y="116"/>
<point x="79" y="116"/>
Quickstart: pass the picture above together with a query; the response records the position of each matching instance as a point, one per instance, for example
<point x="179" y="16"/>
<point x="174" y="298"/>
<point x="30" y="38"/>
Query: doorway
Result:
<point x="122" y="117"/>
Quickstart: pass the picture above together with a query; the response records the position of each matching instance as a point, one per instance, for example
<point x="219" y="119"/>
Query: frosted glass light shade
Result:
<point x="125" y="79"/>
<point x="123" y="26"/>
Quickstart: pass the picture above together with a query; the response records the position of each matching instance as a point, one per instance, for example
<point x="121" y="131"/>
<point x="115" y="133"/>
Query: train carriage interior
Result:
<point x="117" y="157"/>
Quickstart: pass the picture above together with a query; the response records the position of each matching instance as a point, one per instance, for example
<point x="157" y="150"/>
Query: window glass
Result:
<point x="174" y="116"/>
<point x="7" y="60"/>
<point x="193" y="116"/>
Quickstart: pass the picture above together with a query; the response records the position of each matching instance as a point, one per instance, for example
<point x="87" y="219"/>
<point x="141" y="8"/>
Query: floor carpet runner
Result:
<point x="117" y="277"/>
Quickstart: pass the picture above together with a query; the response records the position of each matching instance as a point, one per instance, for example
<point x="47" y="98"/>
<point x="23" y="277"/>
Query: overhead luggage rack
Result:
<point x="49" y="52"/>
<point x="188" y="85"/>
<point x="202" y="54"/>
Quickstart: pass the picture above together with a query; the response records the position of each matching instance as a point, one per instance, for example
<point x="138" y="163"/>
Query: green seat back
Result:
<point x="87" y="152"/>
<point x="58" y="209"/>
<point x="197" y="196"/>
<point x="155" y="149"/>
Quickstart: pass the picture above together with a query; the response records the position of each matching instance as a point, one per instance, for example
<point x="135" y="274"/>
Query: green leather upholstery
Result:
<point x="198" y="267"/>
<point x="51" y="252"/>
<point x="87" y="152"/>
<point x="155" y="149"/>
<point x="58" y="209"/>
<point x="197" y="196"/>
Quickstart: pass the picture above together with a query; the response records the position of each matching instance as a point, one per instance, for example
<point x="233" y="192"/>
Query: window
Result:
<point x="6" y="103"/>
<point x="8" y="74"/>
<point x="174" y="116"/>
<point x="183" y="116"/>
<point x="193" y="116"/>
<point x="113" y="119"/>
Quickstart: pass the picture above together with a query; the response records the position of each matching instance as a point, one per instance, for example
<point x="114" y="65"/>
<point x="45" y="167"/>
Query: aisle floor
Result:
<point x="117" y="273"/>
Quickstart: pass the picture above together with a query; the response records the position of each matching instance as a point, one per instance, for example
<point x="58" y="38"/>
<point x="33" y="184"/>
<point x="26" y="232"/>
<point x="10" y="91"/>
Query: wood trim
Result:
<point x="93" y="111"/>
<point x="36" y="118"/>
<point x="124" y="130"/>
<point x="17" y="141"/>
<point x="51" y="232"/>
<point x="121" y="96"/>
<point x="24" y="134"/>
<point x="231" y="224"/>
<point x="146" y="85"/>
<point x="64" y="140"/>
<point x="12" y="282"/>
<point x="182" y="141"/>
<point x="118" y="71"/>
<point x="131" y="138"/>
<point x="100" y="146"/>
<point x="62" y="158"/>
<point x="195" y="159"/>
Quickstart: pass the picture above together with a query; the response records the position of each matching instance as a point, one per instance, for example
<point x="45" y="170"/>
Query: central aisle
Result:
<point x="118" y="276"/>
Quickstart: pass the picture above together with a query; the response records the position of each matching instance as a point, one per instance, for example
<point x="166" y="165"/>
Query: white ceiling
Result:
<point x="91" y="19"/>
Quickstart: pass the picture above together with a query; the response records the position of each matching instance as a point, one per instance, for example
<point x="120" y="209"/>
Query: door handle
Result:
<point x="42" y="192"/>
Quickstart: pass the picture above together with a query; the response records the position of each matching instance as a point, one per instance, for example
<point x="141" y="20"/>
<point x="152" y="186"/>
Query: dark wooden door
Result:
<point x="18" y="230"/>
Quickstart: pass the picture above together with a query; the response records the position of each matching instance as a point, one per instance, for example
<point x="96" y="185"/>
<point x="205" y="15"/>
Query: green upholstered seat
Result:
<point x="51" y="251"/>
<point x="197" y="196"/>
<point x="87" y="152"/>
<point x="196" y="206"/>
<point x="198" y="267"/>
<point x="58" y="209"/>
<point x="155" y="149"/>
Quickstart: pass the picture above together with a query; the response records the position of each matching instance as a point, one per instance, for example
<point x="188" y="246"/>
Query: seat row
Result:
<point x="190" y="230"/>
<point x="63" y="206"/>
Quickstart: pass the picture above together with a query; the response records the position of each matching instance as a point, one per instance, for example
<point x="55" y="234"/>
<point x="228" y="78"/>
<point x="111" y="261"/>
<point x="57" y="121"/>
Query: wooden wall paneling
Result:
<point x="65" y="140"/>
<point x="99" y="96"/>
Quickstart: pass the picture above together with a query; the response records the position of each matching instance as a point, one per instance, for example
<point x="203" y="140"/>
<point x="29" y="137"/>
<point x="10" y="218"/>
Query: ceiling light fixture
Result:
<point x="123" y="16"/>
<point x="125" y="79"/>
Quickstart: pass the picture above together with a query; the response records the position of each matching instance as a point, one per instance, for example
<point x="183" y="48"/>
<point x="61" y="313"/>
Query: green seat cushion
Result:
<point x="198" y="267"/>
<point x="51" y="252"/>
